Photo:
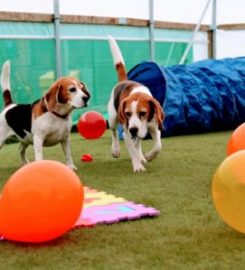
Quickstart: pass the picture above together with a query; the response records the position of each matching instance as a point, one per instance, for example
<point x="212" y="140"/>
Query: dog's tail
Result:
<point x="118" y="60"/>
<point x="5" y="84"/>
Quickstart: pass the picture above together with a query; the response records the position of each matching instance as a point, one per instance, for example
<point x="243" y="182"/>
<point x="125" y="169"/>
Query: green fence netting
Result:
<point x="89" y="59"/>
<point x="31" y="61"/>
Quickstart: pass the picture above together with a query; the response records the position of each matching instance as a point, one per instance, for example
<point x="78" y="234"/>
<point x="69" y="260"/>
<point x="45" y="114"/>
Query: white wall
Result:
<point x="200" y="47"/>
<point x="108" y="8"/>
<point x="165" y="10"/>
<point x="229" y="44"/>
<point x="35" y="6"/>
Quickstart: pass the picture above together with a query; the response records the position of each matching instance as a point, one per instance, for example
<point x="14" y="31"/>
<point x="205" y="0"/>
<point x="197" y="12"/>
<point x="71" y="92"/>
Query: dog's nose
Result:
<point x="85" y="99"/>
<point x="133" y="131"/>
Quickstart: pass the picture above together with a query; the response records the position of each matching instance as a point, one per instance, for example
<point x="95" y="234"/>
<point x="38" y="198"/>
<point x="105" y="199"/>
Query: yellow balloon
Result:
<point x="228" y="190"/>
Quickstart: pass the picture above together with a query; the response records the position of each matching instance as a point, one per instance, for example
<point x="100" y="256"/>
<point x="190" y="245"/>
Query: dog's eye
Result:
<point x="142" y="114"/>
<point x="73" y="89"/>
<point x="128" y="114"/>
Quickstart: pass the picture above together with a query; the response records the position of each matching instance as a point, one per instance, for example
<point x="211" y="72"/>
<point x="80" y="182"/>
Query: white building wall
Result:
<point x="230" y="43"/>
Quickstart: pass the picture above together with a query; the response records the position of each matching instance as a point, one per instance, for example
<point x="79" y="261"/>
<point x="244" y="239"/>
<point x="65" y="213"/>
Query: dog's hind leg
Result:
<point x="156" y="137"/>
<point x="5" y="131"/>
<point x="115" y="147"/>
<point x="22" y="149"/>
<point x="3" y="137"/>
<point x="112" y="122"/>
<point x="2" y="141"/>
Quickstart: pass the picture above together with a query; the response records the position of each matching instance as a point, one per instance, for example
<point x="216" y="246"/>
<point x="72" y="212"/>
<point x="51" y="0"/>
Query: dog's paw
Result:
<point x="115" y="155"/>
<point x="150" y="156"/>
<point x="115" y="151"/>
<point x="139" y="168"/>
<point x="25" y="163"/>
<point x="72" y="167"/>
<point x="143" y="159"/>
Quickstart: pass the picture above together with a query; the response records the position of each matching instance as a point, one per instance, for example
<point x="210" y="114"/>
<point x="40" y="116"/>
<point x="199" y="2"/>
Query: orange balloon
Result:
<point x="237" y="140"/>
<point x="228" y="190"/>
<point x="40" y="202"/>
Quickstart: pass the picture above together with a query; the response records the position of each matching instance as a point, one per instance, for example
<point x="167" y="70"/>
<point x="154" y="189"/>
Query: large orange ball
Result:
<point x="228" y="190"/>
<point x="40" y="202"/>
<point x="91" y="125"/>
<point x="237" y="140"/>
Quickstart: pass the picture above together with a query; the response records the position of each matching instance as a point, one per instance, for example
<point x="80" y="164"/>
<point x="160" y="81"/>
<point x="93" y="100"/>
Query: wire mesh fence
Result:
<point x="85" y="54"/>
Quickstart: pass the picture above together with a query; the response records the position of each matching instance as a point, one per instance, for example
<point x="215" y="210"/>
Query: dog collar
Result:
<point x="45" y="106"/>
<point x="62" y="116"/>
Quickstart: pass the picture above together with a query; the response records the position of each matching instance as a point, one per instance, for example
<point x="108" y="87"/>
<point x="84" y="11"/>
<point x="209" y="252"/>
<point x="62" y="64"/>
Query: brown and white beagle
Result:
<point x="45" y="122"/>
<point x="132" y="105"/>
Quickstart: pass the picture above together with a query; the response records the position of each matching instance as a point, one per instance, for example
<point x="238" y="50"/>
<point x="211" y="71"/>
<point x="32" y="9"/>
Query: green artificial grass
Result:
<point x="188" y="234"/>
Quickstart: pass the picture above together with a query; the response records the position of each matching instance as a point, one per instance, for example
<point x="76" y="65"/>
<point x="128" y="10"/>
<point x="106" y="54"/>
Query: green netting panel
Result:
<point x="102" y="31"/>
<point x="170" y="53"/>
<point x="91" y="61"/>
<point x="69" y="31"/>
<point x="27" y="29"/>
<point x="32" y="63"/>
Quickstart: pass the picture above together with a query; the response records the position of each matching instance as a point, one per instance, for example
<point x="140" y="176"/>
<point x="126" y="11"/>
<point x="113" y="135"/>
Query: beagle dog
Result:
<point x="132" y="105"/>
<point x="45" y="122"/>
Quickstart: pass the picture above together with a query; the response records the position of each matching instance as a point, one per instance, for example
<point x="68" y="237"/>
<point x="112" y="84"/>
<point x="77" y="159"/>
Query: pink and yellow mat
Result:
<point x="102" y="208"/>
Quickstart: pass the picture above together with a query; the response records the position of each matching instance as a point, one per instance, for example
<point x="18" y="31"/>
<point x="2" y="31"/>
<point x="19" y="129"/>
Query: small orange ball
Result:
<point x="40" y="202"/>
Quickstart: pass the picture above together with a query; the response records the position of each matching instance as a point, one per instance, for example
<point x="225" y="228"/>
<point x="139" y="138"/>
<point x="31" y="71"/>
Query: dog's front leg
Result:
<point x="134" y="151"/>
<point x="115" y="147"/>
<point x="112" y="121"/>
<point x="38" y="147"/>
<point x="67" y="152"/>
<point x="139" y="150"/>
<point x="156" y="137"/>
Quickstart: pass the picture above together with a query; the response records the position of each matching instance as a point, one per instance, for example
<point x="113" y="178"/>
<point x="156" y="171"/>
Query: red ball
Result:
<point x="91" y="125"/>
<point x="237" y="140"/>
<point x="87" y="158"/>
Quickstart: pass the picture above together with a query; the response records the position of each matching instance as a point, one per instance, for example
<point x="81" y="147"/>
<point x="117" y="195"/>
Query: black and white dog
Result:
<point x="45" y="122"/>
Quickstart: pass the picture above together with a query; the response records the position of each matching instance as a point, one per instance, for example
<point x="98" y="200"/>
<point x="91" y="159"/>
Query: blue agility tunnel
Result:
<point x="200" y="97"/>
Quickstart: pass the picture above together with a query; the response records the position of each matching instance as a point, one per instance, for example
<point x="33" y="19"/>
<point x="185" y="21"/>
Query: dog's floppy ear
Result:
<point x="159" y="114"/>
<point x="61" y="94"/>
<point x="84" y="88"/>
<point x="121" y="115"/>
<point x="51" y="96"/>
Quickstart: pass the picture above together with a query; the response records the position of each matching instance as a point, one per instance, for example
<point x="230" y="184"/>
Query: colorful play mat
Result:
<point x="102" y="208"/>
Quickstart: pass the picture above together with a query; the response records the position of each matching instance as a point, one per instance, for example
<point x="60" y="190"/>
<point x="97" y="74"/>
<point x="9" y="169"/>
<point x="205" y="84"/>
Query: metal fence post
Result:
<point x="214" y="28"/>
<point x="151" y="30"/>
<point x="183" y="58"/>
<point x="58" y="55"/>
